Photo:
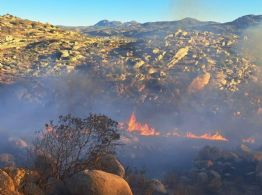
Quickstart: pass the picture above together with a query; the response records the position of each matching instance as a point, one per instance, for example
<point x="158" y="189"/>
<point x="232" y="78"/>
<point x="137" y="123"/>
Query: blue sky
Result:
<point x="88" y="12"/>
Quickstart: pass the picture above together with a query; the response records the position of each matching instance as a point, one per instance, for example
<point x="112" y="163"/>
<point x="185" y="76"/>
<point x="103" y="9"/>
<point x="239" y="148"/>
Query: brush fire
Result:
<point x="145" y="129"/>
<point x="142" y="129"/>
<point x="172" y="96"/>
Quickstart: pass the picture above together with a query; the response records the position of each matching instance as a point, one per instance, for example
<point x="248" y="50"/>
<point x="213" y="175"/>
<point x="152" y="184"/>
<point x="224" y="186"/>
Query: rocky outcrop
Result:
<point x="155" y="187"/>
<point x="63" y="49"/>
<point x="181" y="53"/>
<point x="97" y="182"/>
<point x="7" y="185"/>
<point x="216" y="170"/>
<point x="110" y="164"/>
<point x="18" y="181"/>
<point x="199" y="83"/>
<point x="56" y="50"/>
<point x="17" y="175"/>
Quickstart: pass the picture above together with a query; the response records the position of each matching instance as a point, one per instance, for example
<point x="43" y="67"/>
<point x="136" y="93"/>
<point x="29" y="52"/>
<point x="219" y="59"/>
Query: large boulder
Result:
<point x="155" y="187"/>
<point x="110" y="164"/>
<point x="7" y="186"/>
<point x="199" y="83"/>
<point x="17" y="175"/>
<point x="202" y="177"/>
<point x="18" y="181"/>
<point x="215" y="180"/>
<point x="97" y="182"/>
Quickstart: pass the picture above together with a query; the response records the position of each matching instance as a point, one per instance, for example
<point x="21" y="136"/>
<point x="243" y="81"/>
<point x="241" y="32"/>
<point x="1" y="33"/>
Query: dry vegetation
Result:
<point x="74" y="144"/>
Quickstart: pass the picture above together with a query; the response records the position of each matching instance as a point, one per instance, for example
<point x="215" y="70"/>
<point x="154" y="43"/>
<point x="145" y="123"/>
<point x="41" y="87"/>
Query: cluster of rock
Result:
<point x="18" y="181"/>
<point x="144" y="66"/>
<point x="218" y="171"/>
<point x="30" y="48"/>
<point x="177" y="59"/>
<point x="160" y="68"/>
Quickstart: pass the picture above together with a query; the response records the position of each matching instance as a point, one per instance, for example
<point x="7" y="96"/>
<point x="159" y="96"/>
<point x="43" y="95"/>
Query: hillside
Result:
<point x="172" y="86"/>
<point x="164" y="63"/>
<point x="32" y="49"/>
<point x="35" y="49"/>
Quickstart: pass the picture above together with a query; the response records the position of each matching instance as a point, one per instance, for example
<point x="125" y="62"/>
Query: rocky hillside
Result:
<point x="32" y="49"/>
<point x="177" y="66"/>
<point x="174" y="57"/>
<point x="21" y="181"/>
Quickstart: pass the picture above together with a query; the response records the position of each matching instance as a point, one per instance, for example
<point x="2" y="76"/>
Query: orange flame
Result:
<point x="142" y="129"/>
<point x="249" y="140"/>
<point x="215" y="137"/>
<point x="146" y="130"/>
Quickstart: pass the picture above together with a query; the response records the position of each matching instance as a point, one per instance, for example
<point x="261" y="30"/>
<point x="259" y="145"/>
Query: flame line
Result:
<point x="146" y="130"/>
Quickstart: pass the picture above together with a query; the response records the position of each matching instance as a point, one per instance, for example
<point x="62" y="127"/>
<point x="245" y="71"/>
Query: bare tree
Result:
<point x="73" y="144"/>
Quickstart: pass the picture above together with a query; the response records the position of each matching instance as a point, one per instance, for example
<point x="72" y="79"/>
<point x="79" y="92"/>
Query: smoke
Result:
<point x="251" y="44"/>
<point x="249" y="96"/>
<point x="27" y="105"/>
<point x="187" y="8"/>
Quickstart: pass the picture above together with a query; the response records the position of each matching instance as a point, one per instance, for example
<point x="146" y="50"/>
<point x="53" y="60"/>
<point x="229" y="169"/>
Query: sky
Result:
<point x="88" y="12"/>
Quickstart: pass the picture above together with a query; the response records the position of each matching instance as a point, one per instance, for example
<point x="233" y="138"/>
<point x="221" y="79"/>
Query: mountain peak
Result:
<point x="188" y="19"/>
<point x="107" y="23"/>
<point x="246" y="21"/>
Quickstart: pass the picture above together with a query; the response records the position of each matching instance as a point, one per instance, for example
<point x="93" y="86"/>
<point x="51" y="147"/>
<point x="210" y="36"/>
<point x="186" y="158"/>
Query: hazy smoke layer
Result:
<point x="27" y="105"/>
<point x="251" y="44"/>
<point x="184" y="8"/>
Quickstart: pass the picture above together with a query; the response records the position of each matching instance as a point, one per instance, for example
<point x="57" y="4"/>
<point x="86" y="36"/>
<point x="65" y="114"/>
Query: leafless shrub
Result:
<point x="73" y="144"/>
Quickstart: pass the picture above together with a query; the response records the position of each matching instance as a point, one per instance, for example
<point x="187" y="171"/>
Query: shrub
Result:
<point x="73" y="144"/>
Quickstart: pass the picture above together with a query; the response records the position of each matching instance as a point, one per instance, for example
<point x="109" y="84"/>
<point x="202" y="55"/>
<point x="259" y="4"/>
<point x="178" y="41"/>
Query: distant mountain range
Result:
<point x="115" y="24"/>
<point x="241" y="22"/>
<point x="136" y="30"/>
